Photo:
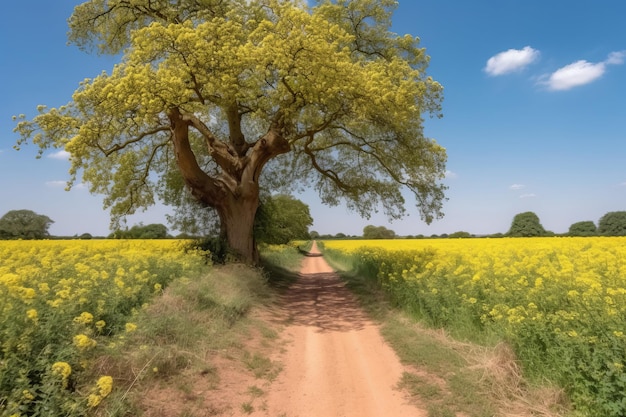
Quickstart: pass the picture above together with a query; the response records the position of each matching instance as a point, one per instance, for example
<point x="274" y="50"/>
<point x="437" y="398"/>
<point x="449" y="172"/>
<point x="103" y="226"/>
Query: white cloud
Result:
<point x="63" y="155"/>
<point x="529" y="195"/>
<point x="580" y="72"/>
<point x="451" y="175"/>
<point x="616" y="58"/>
<point x="511" y="61"/>
<point x="517" y="186"/>
<point x="63" y="184"/>
<point x="56" y="183"/>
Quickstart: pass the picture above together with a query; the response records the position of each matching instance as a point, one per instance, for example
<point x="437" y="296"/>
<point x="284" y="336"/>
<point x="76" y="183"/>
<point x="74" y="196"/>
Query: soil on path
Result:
<point x="335" y="362"/>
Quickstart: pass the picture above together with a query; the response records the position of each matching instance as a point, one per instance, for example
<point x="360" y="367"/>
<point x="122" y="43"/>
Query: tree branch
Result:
<point x="118" y="146"/>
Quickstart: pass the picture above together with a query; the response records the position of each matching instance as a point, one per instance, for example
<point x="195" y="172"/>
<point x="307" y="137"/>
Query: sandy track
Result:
<point x="336" y="363"/>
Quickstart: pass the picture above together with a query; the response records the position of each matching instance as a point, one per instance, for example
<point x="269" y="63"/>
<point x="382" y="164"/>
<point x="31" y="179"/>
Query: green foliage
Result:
<point x="24" y="224"/>
<point x="613" y="224"/>
<point x="526" y="225"/>
<point x="584" y="228"/>
<point x="215" y="246"/>
<point x="281" y="219"/>
<point x="150" y="231"/>
<point x="377" y="232"/>
<point x="457" y="235"/>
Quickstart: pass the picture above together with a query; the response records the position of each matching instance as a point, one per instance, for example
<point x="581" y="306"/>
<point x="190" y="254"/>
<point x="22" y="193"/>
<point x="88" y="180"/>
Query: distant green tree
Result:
<point x="613" y="224"/>
<point x="526" y="225"/>
<point x="457" y="235"/>
<point x="584" y="228"/>
<point x="24" y="224"/>
<point x="314" y="234"/>
<point x="378" y="232"/>
<point x="140" y="231"/>
<point x="281" y="219"/>
<point x="86" y="236"/>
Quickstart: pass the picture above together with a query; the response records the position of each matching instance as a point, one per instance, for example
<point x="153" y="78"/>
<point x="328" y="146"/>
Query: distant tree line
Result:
<point x="523" y="225"/>
<point x="140" y="231"/>
<point x="283" y="218"/>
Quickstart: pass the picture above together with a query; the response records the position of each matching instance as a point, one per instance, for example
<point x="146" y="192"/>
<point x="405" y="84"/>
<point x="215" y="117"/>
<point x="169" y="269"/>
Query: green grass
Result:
<point x="179" y="336"/>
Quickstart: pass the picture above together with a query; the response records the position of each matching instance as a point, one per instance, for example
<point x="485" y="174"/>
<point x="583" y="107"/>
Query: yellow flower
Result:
<point x="84" y="318"/>
<point x="27" y="396"/>
<point x="93" y="400"/>
<point x="32" y="315"/>
<point x="130" y="327"/>
<point x="100" y="325"/>
<point x="105" y="385"/>
<point x="84" y="342"/>
<point x="62" y="369"/>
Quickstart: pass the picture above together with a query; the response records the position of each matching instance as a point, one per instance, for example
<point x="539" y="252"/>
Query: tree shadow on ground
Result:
<point x="322" y="301"/>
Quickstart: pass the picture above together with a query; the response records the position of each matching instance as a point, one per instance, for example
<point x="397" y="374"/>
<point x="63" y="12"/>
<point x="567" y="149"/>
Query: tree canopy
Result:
<point x="281" y="219"/>
<point x="24" y="224"/>
<point x="613" y="224"/>
<point x="140" y="231"/>
<point x="210" y="94"/>
<point x="584" y="228"/>
<point x="378" y="232"/>
<point x="526" y="225"/>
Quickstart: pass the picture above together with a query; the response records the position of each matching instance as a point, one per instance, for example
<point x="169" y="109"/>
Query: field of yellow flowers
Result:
<point x="561" y="302"/>
<point x="62" y="302"/>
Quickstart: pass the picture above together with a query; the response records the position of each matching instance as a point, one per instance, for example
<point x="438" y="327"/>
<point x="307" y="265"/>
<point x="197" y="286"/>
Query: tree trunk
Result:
<point x="234" y="193"/>
<point x="237" y="226"/>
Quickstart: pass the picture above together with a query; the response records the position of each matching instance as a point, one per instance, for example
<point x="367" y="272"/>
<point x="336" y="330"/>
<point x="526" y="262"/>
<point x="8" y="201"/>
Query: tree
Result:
<point x="211" y="94"/>
<point x="24" y="224"/>
<point x="584" y="228"/>
<point x="281" y="219"/>
<point x="459" y="235"/>
<point x="525" y="225"/>
<point x="150" y="231"/>
<point x="613" y="224"/>
<point x="378" y="232"/>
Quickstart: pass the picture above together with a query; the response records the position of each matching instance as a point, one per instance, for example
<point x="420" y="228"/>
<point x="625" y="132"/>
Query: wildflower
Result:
<point x="84" y="318"/>
<point x="32" y="315"/>
<point x="105" y="385"/>
<point x="84" y="342"/>
<point x="100" y="325"/>
<point x="27" y="396"/>
<point x="93" y="400"/>
<point x="62" y="369"/>
<point x="130" y="327"/>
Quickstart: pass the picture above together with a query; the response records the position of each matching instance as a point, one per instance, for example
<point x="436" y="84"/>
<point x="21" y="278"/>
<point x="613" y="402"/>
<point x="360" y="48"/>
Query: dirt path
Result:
<point x="335" y="363"/>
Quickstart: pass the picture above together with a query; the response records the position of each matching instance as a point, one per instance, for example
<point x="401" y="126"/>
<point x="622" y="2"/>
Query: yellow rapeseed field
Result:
<point x="561" y="302"/>
<point x="60" y="302"/>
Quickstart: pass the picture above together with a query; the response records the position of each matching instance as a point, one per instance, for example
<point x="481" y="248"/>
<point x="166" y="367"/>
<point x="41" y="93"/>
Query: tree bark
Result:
<point x="234" y="193"/>
<point x="237" y="222"/>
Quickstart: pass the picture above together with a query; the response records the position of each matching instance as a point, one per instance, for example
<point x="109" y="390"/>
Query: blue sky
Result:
<point x="534" y="114"/>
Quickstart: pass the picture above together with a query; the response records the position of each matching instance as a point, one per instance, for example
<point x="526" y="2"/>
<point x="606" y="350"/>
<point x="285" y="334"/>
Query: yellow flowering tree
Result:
<point x="210" y="93"/>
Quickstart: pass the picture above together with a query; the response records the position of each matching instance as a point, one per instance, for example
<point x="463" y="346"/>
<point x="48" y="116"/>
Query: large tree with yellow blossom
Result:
<point x="223" y="97"/>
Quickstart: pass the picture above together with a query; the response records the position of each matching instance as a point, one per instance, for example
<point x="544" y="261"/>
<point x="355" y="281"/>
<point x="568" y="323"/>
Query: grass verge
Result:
<point x="189" y="340"/>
